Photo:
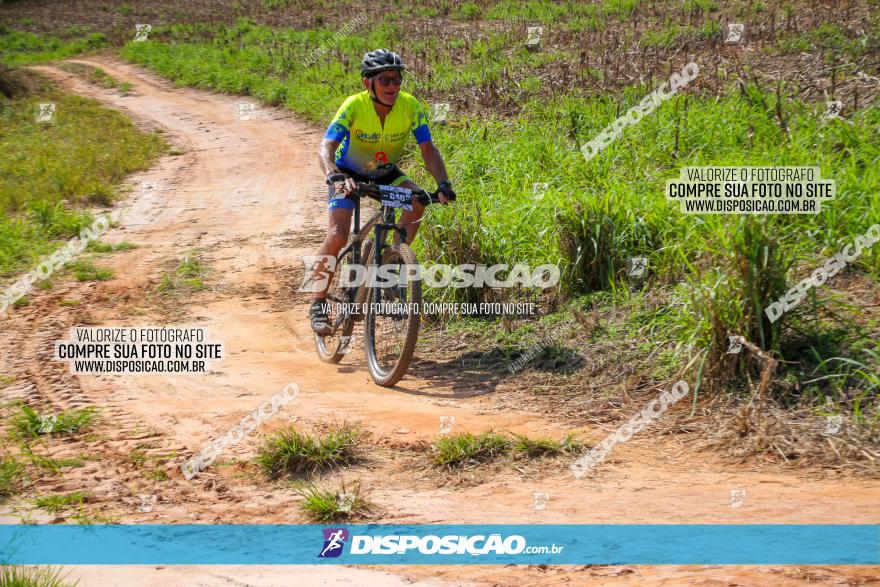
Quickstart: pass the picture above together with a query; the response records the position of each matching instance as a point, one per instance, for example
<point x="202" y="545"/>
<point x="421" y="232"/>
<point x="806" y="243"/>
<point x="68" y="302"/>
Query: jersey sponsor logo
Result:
<point x="361" y="135"/>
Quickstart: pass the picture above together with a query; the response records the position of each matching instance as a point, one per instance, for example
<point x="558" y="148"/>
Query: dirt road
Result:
<point x="247" y="196"/>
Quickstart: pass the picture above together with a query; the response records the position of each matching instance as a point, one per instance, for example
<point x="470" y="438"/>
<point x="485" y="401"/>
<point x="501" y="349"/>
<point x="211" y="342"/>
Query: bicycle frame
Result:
<point x="387" y="216"/>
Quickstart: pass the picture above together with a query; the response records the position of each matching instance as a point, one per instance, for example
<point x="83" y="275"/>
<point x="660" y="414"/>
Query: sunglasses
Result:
<point x="387" y="81"/>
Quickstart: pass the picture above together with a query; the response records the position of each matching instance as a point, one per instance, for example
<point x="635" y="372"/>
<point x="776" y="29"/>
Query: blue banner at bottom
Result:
<point x="654" y="544"/>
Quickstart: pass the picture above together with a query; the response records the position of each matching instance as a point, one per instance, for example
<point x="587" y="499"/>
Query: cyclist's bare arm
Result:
<point x="434" y="162"/>
<point x="327" y="156"/>
<point x="327" y="160"/>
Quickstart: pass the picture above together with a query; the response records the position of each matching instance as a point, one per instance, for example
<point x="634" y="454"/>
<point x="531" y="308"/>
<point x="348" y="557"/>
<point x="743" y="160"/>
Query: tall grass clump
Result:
<point x="289" y="451"/>
<point x="22" y="576"/>
<point x="28" y="423"/>
<point x="11" y="471"/>
<point x="325" y="505"/>
<point x="460" y="450"/>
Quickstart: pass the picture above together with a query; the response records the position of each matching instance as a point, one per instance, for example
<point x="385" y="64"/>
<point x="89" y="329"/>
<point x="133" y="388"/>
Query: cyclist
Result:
<point x="363" y="143"/>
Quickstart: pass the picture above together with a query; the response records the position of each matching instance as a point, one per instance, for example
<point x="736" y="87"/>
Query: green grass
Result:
<point x="854" y="380"/>
<point x="540" y="447"/>
<point x="464" y="450"/>
<point x="324" y="505"/>
<point x="289" y="451"/>
<point x="460" y="450"/>
<point x="19" y="47"/>
<point x="698" y="6"/>
<point x="86" y="516"/>
<point x="674" y="34"/>
<point x="28" y="423"/>
<point x="80" y="156"/>
<point x="136" y="457"/>
<point x="547" y="13"/>
<point x="21" y="576"/>
<point x="97" y="76"/>
<point x="55" y="465"/>
<point x="187" y="277"/>
<point x="157" y="474"/>
<point x="47" y="463"/>
<point x="50" y="170"/>
<point x="97" y="246"/>
<point x="10" y="476"/>
<point x="831" y="39"/>
<point x="55" y="504"/>
<point x="85" y="270"/>
<point x="154" y="467"/>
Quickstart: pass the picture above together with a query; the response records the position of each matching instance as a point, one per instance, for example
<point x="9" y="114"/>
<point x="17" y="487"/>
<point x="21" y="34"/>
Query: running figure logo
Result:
<point x="334" y="540"/>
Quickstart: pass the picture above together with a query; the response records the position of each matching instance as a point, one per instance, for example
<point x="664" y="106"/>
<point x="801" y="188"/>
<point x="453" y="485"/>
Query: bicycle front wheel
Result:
<point x="391" y="329"/>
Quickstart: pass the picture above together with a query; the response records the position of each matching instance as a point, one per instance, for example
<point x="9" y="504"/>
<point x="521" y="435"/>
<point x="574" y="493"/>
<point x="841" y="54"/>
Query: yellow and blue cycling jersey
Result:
<point x="369" y="148"/>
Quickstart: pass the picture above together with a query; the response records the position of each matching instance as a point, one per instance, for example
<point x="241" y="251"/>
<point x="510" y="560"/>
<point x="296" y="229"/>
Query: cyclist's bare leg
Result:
<point x="410" y="220"/>
<point x="338" y="226"/>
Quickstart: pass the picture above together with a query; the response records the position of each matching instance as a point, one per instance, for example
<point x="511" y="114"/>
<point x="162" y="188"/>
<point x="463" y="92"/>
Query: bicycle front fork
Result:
<point x="379" y="247"/>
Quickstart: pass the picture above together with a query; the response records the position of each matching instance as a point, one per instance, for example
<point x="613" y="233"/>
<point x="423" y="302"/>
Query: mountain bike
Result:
<point x="387" y="301"/>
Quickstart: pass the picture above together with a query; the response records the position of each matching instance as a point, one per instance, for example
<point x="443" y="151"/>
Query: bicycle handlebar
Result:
<point x="371" y="191"/>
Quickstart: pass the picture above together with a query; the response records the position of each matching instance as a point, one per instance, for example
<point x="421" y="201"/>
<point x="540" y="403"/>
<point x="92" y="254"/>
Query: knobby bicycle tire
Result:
<point x="387" y="376"/>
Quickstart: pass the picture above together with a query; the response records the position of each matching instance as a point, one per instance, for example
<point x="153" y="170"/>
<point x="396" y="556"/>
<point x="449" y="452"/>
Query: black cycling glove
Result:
<point x="445" y="188"/>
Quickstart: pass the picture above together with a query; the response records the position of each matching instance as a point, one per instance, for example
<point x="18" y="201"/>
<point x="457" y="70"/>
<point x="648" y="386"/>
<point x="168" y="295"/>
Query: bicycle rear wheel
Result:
<point x="392" y="330"/>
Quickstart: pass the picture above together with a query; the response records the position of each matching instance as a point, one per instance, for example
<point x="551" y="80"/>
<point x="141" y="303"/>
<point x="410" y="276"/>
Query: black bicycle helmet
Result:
<point x="381" y="60"/>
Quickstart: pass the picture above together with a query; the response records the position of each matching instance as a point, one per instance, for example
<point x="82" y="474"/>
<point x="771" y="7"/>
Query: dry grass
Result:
<point x="763" y="428"/>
